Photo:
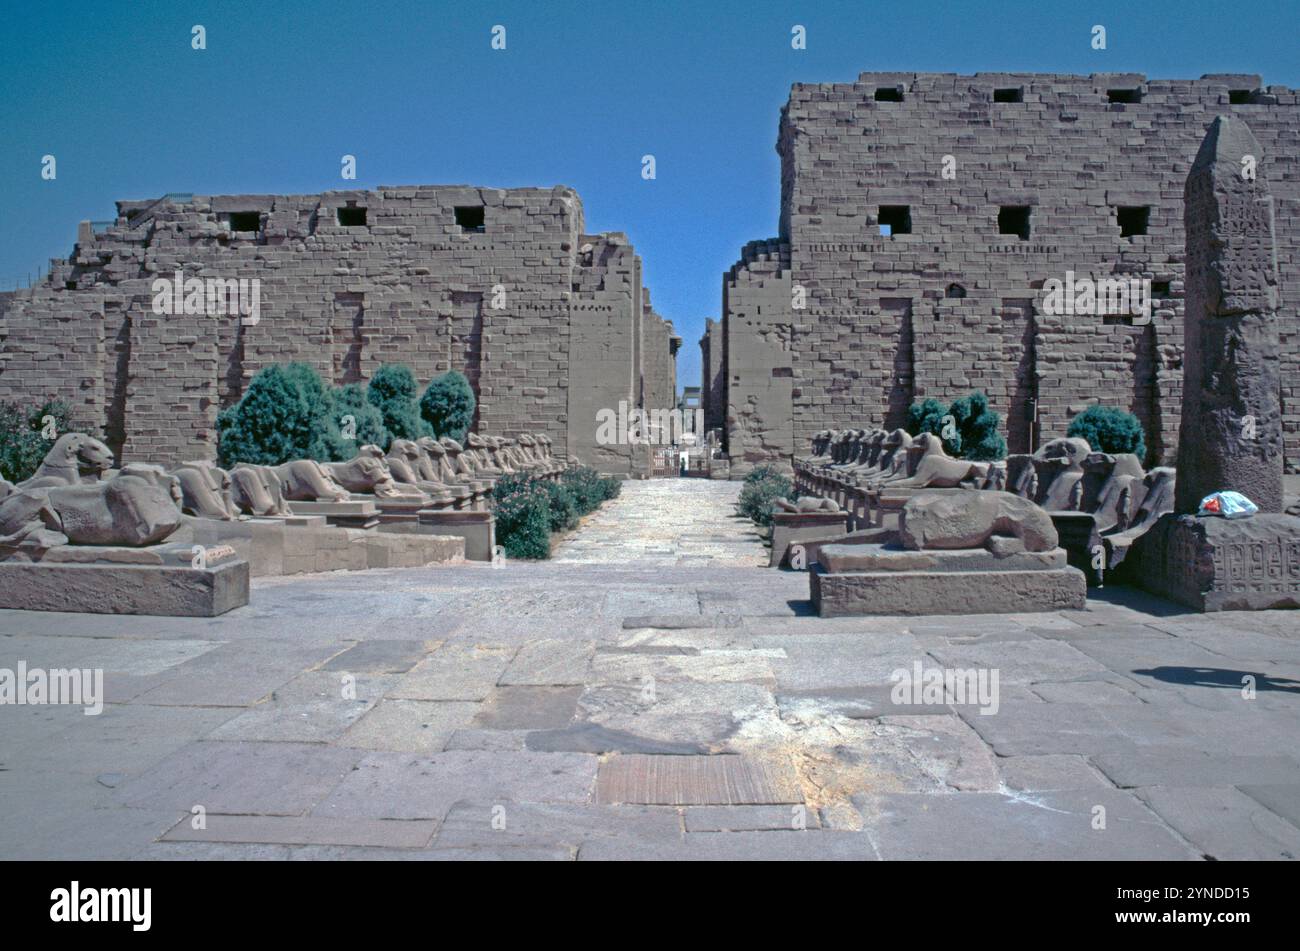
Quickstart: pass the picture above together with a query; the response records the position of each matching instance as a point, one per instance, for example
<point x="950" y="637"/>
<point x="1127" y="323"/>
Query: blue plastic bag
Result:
<point x="1227" y="504"/>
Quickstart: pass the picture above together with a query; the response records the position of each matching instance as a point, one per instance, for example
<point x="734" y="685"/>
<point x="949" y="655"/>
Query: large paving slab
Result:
<point x="654" y="692"/>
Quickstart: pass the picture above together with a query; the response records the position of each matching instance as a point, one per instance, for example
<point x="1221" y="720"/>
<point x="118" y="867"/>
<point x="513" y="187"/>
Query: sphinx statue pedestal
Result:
<point x="956" y="551"/>
<point x="154" y="580"/>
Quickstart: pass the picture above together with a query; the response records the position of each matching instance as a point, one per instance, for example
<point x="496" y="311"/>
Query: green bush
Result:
<point x="978" y="426"/>
<point x="974" y="434"/>
<point x="589" y="488"/>
<point x="762" y="474"/>
<point x="22" y="446"/>
<point x="392" y="390"/>
<point x="1108" y="429"/>
<point x="759" y="496"/>
<point x="283" y="415"/>
<point x="563" y="506"/>
<point x="448" y="406"/>
<point x="331" y="445"/>
<point x="524" y="522"/>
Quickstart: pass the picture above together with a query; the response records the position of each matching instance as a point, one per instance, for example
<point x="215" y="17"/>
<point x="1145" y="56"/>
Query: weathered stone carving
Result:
<point x="205" y="490"/>
<point x="807" y="504"/>
<point x="74" y="459"/>
<point x="1231" y="432"/>
<point x="974" y="519"/>
<point x="138" y="506"/>
<point x="256" y="490"/>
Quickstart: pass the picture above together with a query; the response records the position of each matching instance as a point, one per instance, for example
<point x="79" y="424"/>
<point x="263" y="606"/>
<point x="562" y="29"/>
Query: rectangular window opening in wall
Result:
<point x="1014" y="219"/>
<point x="1114" y="319"/>
<point x="250" y="221"/>
<point x="889" y="94"/>
<point x="894" y="219"/>
<point x="470" y="218"/>
<point x="1133" y="221"/>
<point x="1009" y="94"/>
<point x="352" y="217"/>
<point x="1240" y="97"/>
<point x="1160" y="290"/>
<point x="1124" y="95"/>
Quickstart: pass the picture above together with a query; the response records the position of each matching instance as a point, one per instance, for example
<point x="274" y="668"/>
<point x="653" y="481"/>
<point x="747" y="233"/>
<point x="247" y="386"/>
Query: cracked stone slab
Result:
<point x="283" y="779"/>
<point x="454" y="672"/>
<point x="1053" y="771"/>
<point x="549" y="662"/>
<point x="411" y="786"/>
<point x="495" y="824"/>
<point x="793" y="818"/>
<point x="676" y="711"/>
<point x="594" y="738"/>
<point x="314" y="707"/>
<point x="1191" y="767"/>
<point x="410" y="726"/>
<point x="1224" y="823"/>
<point x="1031" y="729"/>
<point x="788" y="846"/>
<point x="696" y="780"/>
<point x="708" y="666"/>
<point x="1025" y="663"/>
<point x="1057" y="825"/>
<point x="524" y="708"/>
<point x="381" y="656"/>
<point x="306" y="830"/>
<point x="1281" y="798"/>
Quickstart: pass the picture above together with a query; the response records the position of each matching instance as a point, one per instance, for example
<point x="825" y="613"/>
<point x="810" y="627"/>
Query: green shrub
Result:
<point x="283" y="415"/>
<point x="22" y="445"/>
<point x="523" y="516"/>
<point x="392" y="390"/>
<point x="757" y="498"/>
<point x="448" y="406"/>
<point x="589" y="488"/>
<point x="563" y="506"/>
<point x="978" y="426"/>
<point x="974" y="434"/>
<point x="762" y="474"/>
<point x="1109" y="429"/>
<point x="330" y="444"/>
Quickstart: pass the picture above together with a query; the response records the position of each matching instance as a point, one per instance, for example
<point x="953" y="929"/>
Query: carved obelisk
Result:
<point x="1230" y="436"/>
<point x="1231" y="432"/>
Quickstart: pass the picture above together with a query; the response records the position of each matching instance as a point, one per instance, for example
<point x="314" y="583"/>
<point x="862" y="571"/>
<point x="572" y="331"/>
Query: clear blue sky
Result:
<point x="583" y="90"/>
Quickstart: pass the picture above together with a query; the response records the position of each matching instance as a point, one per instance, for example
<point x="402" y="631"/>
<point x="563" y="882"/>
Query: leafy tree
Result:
<point x="281" y="417"/>
<point x="978" y="426"/>
<point x="392" y="391"/>
<point x="23" y="444"/>
<point x="448" y="405"/>
<point x="366" y="429"/>
<point x="974" y="431"/>
<point x="1109" y="429"/>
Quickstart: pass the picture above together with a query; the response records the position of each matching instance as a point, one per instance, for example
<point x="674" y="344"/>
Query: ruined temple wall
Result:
<point x="1069" y="155"/>
<point x="757" y="357"/>
<point x="712" y="383"/>
<point x="658" y="376"/>
<point x="602" y="367"/>
<point x="410" y="285"/>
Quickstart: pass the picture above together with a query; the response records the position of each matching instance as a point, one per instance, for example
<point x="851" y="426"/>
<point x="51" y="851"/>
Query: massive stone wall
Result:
<point x="500" y="284"/>
<point x="948" y="302"/>
<point x="713" y="394"/>
<point x="757" y="356"/>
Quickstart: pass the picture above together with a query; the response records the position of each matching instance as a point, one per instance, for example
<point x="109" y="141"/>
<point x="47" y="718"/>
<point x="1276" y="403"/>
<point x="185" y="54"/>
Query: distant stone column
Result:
<point x="1230" y="437"/>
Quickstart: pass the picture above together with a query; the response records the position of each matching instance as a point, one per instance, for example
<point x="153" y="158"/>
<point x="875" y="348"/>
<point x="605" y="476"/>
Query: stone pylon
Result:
<point x="1230" y="436"/>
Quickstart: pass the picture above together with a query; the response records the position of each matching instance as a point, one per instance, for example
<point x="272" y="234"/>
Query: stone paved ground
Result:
<point x="649" y="693"/>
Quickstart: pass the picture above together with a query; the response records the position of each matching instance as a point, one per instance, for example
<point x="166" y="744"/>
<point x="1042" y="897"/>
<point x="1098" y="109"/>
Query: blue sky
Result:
<point x="582" y="91"/>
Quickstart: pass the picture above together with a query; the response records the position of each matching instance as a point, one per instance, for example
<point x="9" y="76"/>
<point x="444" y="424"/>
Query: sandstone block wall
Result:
<point x="500" y="284"/>
<point x="955" y="304"/>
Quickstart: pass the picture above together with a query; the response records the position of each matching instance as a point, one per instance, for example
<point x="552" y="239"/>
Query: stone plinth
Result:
<point x="1216" y="564"/>
<point x="791" y="527"/>
<point x="350" y="514"/>
<point x="477" y="529"/>
<point x="169" y="588"/>
<point x="854" y="580"/>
